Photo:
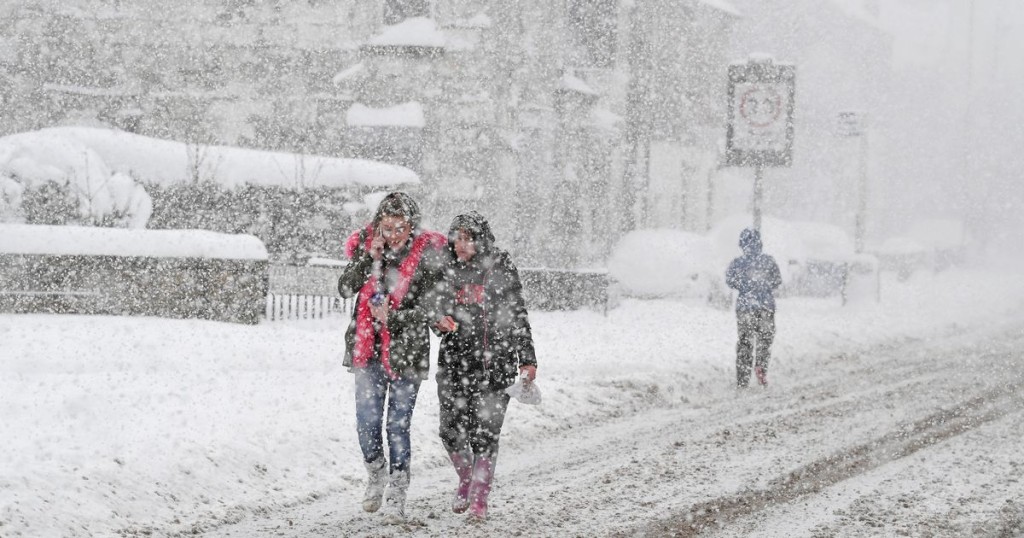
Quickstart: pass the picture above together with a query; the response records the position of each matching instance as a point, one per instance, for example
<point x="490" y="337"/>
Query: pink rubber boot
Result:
<point x="480" y="488"/>
<point x="463" y="463"/>
<point x="762" y="376"/>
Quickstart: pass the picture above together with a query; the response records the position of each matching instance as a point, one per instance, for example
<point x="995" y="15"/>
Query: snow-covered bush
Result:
<point x="49" y="179"/>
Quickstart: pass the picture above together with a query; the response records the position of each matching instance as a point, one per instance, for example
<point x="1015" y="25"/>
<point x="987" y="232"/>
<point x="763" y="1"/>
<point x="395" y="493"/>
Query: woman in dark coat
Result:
<point x="486" y="345"/>
<point x="394" y="275"/>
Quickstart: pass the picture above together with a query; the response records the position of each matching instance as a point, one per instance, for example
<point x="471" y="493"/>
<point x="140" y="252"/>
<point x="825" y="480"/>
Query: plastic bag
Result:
<point x="527" y="394"/>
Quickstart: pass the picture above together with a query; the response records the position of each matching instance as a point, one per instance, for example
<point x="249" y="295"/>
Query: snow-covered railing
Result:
<point x="281" y="306"/>
<point x="169" y="273"/>
<point x="305" y="291"/>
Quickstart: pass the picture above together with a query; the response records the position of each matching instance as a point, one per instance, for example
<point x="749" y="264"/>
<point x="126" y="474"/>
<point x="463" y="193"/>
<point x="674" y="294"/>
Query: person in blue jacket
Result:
<point x="755" y="275"/>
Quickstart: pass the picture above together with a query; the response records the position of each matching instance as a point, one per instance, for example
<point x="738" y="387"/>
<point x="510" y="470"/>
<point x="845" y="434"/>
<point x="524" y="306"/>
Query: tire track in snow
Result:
<point x="818" y="475"/>
<point x="617" y="474"/>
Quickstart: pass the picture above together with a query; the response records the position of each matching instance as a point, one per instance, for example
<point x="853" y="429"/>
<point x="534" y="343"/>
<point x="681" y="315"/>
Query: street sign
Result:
<point x="761" y="102"/>
<point x="850" y="123"/>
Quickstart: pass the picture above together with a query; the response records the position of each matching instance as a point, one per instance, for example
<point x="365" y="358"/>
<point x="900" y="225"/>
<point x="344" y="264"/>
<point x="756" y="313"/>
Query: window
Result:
<point x="593" y="26"/>
<point x="396" y="11"/>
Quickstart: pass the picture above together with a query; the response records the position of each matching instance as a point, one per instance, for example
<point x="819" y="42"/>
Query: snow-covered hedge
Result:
<point x="102" y="172"/>
<point x="170" y="273"/>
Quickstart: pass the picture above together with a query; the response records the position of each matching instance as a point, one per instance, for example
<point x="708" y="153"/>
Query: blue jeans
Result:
<point x="372" y="386"/>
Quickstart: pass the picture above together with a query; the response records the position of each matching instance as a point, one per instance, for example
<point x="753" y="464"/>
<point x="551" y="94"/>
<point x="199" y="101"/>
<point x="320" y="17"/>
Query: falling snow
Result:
<point x="599" y="138"/>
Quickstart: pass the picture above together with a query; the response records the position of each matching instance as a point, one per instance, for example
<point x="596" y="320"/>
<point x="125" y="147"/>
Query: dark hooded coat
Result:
<point x="493" y="338"/>
<point x="754" y="274"/>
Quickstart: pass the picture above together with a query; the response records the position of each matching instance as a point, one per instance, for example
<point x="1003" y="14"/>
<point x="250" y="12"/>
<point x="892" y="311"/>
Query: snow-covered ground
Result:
<point x="116" y="425"/>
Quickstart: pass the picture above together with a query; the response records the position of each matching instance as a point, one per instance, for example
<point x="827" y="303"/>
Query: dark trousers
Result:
<point x="372" y="388"/>
<point x="471" y="415"/>
<point x="756" y="330"/>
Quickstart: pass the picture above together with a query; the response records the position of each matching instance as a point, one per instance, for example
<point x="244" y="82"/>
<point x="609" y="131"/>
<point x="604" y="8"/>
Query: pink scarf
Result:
<point x="363" y="350"/>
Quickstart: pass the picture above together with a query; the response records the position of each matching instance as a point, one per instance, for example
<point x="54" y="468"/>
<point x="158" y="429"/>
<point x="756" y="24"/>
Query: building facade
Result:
<point x="545" y="115"/>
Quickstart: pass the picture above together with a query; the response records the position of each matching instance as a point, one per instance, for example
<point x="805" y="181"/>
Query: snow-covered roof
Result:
<point x="722" y="5"/>
<point x="94" y="241"/>
<point x="404" y="115"/>
<point x="63" y="153"/>
<point x="349" y="73"/>
<point x="576" y="84"/>
<point x="412" y="32"/>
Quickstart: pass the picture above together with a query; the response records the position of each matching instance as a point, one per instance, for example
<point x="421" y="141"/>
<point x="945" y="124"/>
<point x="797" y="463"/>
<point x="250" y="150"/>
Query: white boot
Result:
<point x="394" y="501"/>
<point x="378" y="478"/>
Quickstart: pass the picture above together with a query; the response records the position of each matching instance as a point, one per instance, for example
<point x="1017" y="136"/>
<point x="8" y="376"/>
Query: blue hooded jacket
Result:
<point x="754" y="274"/>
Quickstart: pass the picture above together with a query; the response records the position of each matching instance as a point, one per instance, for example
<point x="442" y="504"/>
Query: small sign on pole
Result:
<point x="761" y="101"/>
<point x="850" y="123"/>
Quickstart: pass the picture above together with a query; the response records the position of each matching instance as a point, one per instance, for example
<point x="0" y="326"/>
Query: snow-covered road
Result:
<point x="909" y="439"/>
<point x="898" y="417"/>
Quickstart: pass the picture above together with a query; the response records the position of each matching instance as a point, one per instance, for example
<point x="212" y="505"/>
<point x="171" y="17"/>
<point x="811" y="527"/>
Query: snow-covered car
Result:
<point x="663" y="263"/>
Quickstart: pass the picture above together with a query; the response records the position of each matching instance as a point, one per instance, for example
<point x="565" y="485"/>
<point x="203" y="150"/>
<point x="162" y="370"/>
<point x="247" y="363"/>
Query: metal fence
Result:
<point x="287" y="306"/>
<point x="304" y="292"/>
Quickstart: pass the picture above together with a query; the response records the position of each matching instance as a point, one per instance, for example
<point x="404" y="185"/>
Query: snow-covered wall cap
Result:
<point x="167" y="162"/>
<point x="404" y="115"/>
<point x="92" y="241"/>
<point x="760" y="58"/>
<point x="480" y="20"/>
<point x="349" y="73"/>
<point x="722" y="5"/>
<point x="412" y="32"/>
<point x="576" y="84"/>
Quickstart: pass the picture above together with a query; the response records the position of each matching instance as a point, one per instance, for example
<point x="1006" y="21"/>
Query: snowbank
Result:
<point x="93" y="241"/>
<point x="662" y="262"/>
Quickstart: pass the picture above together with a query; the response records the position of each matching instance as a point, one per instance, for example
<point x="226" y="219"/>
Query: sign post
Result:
<point x="851" y="124"/>
<point x="760" y="129"/>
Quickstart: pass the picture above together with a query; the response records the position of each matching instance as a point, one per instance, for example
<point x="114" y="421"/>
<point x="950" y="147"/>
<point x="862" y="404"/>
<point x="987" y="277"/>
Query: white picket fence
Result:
<point x="294" y="307"/>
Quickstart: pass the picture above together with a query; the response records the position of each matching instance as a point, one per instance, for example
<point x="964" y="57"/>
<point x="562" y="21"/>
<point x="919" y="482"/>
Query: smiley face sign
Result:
<point x="760" y="106"/>
<point x="760" y="130"/>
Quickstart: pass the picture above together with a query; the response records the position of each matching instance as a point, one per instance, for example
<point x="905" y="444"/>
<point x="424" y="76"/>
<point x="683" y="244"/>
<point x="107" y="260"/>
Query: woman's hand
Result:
<point x="377" y="245"/>
<point x="528" y="373"/>
<point x="447" y="324"/>
<point x="380" y="312"/>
